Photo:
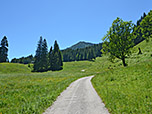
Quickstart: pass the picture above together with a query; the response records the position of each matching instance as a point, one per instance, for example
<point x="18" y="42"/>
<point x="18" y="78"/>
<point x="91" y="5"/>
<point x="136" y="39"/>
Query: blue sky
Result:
<point x="67" y="21"/>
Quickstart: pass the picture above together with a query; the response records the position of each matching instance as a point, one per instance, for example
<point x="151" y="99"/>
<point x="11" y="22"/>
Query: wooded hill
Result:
<point x="87" y="53"/>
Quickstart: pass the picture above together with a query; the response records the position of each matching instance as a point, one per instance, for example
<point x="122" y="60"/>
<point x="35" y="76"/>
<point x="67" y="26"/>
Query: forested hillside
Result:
<point x="87" y="53"/>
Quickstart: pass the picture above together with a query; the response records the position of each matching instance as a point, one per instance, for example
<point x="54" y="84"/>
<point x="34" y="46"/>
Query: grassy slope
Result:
<point x="128" y="90"/>
<point x="13" y="68"/>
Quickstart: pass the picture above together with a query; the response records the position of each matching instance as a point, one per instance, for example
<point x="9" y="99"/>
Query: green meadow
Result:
<point x="128" y="89"/>
<point x="28" y="93"/>
<point x="122" y="89"/>
<point x="7" y="68"/>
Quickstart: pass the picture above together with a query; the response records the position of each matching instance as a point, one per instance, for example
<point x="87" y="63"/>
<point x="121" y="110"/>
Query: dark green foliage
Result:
<point x="44" y="58"/>
<point x="38" y="57"/>
<point x="50" y="58"/>
<point x="57" y="63"/>
<point x="119" y="40"/>
<point x="41" y="62"/>
<point x="137" y="31"/>
<point x="45" y="61"/>
<point x="82" y="54"/>
<point x="4" y="50"/>
<point x="143" y="29"/>
<point x="146" y="26"/>
<point x="23" y="60"/>
<point x="142" y="17"/>
<point x="91" y="54"/>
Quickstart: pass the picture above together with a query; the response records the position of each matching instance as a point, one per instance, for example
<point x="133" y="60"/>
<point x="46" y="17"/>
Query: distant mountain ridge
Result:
<point x="80" y="45"/>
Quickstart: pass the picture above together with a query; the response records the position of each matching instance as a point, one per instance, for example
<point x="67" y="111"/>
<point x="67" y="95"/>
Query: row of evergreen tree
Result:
<point x="4" y="50"/>
<point x="69" y="54"/>
<point x="23" y="60"/>
<point x="45" y="60"/>
<point x="88" y="53"/>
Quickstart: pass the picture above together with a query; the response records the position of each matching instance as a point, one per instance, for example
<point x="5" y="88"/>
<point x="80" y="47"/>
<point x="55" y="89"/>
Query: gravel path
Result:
<point x="79" y="98"/>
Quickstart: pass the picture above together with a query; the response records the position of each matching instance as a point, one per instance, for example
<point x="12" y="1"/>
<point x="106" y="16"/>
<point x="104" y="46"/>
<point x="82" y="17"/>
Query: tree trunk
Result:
<point x="123" y="61"/>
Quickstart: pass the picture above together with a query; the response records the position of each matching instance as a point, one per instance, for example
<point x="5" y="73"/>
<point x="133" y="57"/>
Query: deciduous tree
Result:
<point x="119" y="40"/>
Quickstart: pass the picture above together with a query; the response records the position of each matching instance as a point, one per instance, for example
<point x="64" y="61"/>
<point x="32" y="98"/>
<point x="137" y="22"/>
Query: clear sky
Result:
<point x="67" y="21"/>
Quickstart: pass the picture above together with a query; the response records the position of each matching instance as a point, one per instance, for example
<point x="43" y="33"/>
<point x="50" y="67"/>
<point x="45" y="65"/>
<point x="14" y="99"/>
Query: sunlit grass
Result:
<point x="128" y="89"/>
<point x="13" y="68"/>
<point x="27" y="93"/>
<point x="31" y="93"/>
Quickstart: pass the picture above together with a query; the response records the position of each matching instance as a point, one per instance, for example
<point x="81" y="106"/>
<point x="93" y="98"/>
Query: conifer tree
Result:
<point x="44" y="58"/>
<point x="85" y="55"/>
<point x="93" y="56"/>
<point x="4" y="50"/>
<point x="57" y="62"/>
<point x="137" y="30"/>
<point x="60" y="60"/>
<point x="146" y="26"/>
<point x="38" y="56"/>
<point x="50" y="58"/>
<point x="89" y="55"/>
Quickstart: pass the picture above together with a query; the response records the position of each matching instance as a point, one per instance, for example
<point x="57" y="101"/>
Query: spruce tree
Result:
<point x="144" y="15"/>
<point x="60" y="60"/>
<point x="89" y="55"/>
<point x="50" y="58"/>
<point x="93" y="55"/>
<point x="44" y="58"/>
<point x="38" y="56"/>
<point x="4" y="50"/>
<point x="57" y="63"/>
<point x="146" y="26"/>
